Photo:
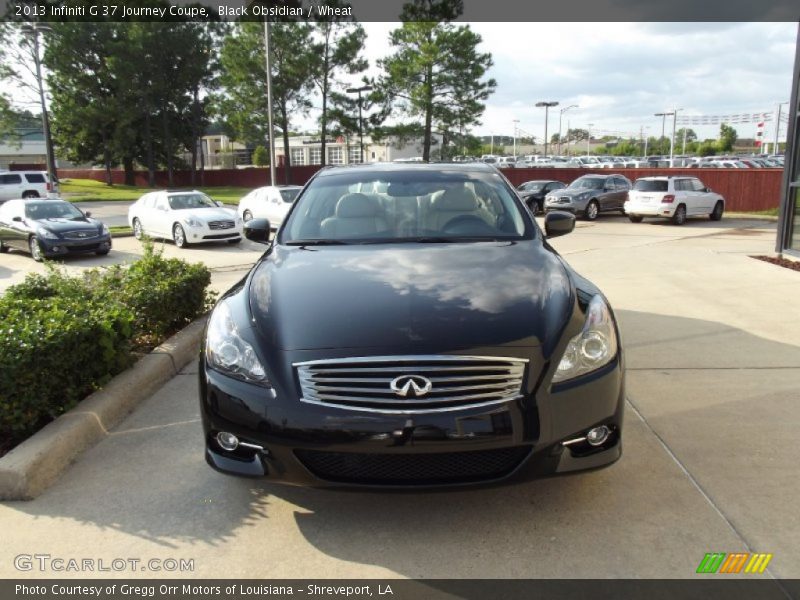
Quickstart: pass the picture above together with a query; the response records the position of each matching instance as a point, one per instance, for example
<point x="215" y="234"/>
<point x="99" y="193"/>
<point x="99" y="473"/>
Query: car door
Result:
<point x="607" y="197"/>
<point x="685" y="194"/>
<point x="705" y="198"/>
<point x="14" y="233"/>
<point x="10" y="186"/>
<point x="163" y="217"/>
<point x="273" y="206"/>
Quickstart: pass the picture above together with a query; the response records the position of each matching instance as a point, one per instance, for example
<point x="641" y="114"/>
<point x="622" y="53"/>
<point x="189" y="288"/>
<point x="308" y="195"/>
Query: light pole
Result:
<point x="269" y="108"/>
<point x="588" y="137"/>
<point x="646" y="139"/>
<point x="515" y="138"/>
<point x="672" y="139"/>
<point x="546" y="106"/>
<point x="663" y="116"/>
<point x="363" y="88"/>
<point x="561" y="114"/>
<point x="777" y="128"/>
<point x="33" y="30"/>
<point x="491" y="147"/>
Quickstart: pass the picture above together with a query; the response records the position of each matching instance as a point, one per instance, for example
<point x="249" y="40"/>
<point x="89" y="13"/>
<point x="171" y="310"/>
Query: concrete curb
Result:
<point x="745" y="216"/>
<point x="35" y="464"/>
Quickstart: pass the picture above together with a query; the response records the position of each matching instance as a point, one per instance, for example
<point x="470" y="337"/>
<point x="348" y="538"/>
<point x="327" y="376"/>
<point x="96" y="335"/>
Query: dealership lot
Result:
<point x="713" y="366"/>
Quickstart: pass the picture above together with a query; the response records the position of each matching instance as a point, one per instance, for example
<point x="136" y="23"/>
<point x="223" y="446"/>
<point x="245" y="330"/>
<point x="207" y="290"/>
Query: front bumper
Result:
<point x="325" y="446"/>
<point x="204" y="233"/>
<point x="573" y="206"/>
<point x="63" y="247"/>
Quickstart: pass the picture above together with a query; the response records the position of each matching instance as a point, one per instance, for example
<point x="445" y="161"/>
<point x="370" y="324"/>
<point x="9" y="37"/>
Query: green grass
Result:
<point x="88" y="190"/>
<point x="773" y="212"/>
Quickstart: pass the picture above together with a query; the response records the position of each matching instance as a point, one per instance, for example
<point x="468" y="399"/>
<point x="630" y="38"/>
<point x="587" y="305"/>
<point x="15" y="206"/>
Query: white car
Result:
<point x="23" y="184"/>
<point x="186" y="217"/>
<point x="270" y="202"/>
<point x="674" y="198"/>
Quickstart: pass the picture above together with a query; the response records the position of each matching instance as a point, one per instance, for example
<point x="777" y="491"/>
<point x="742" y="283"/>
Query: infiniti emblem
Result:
<point x="403" y="384"/>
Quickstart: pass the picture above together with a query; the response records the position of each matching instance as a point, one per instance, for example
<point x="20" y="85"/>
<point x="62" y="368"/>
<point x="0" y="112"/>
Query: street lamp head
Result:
<point x="546" y="104"/>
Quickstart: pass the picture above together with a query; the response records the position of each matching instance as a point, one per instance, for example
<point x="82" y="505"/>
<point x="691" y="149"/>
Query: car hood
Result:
<point x="208" y="214"/>
<point x="572" y="193"/>
<point x="436" y="296"/>
<point x="61" y="225"/>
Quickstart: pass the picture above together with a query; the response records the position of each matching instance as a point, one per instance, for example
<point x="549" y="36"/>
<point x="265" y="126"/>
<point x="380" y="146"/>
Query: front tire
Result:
<point x="592" y="210"/>
<point x="27" y="195"/>
<point x="716" y="214"/>
<point x="679" y="218"/>
<point x="36" y="249"/>
<point x="101" y="252"/>
<point x="179" y="236"/>
<point x="635" y="218"/>
<point x="3" y="248"/>
<point x="138" y="233"/>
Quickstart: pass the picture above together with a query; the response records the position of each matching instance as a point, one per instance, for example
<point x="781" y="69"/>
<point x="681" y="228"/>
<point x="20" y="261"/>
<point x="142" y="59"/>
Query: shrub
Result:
<point x="63" y="337"/>
<point x="260" y="156"/>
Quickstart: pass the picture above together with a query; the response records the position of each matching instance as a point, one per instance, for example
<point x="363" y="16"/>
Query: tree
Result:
<point x="337" y="49"/>
<point x="691" y="136"/>
<point x="243" y="105"/>
<point x="436" y="73"/>
<point x="727" y="137"/>
<point x="260" y="156"/>
<point x="7" y="116"/>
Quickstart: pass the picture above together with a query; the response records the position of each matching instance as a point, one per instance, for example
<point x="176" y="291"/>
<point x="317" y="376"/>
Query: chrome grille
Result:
<point x="220" y="224"/>
<point x="364" y="383"/>
<point x="79" y="235"/>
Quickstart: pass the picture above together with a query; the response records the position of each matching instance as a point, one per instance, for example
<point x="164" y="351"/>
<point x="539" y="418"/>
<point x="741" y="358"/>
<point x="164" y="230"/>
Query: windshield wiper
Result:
<point x="317" y="243"/>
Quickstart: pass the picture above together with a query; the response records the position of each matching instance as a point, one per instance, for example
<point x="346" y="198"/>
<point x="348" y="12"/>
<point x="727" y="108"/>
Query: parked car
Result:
<point x="534" y="192"/>
<point x="426" y="337"/>
<point x="186" y="217"/>
<point x="270" y="202"/>
<point x="23" y="184"/>
<point x="50" y="228"/>
<point x="590" y="195"/>
<point x="507" y="162"/>
<point x="674" y="198"/>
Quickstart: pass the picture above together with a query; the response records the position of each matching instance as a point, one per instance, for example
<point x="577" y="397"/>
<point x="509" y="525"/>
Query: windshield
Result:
<point x="421" y="206"/>
<point x="532" y="186"/>
<point x="650" y="185"/>
<point x="189" y="201"/>
<point x="50" y="209"/>
<point x="289" y="195"/>
<point x="588" y="183"/>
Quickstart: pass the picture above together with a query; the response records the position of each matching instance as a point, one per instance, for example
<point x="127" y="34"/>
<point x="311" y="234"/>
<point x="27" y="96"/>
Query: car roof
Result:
<point x="540" y="181"/>
<point x="33" y="200"/>
<point x="408" y="167"/>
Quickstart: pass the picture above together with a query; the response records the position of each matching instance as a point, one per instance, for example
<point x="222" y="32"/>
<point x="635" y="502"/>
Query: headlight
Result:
<point x="226" y="351"/>
<point x="593" y="347"/>
<point x="193" y="222"/>
<point x="104" y="229"/>
<point x="47" y="234"/>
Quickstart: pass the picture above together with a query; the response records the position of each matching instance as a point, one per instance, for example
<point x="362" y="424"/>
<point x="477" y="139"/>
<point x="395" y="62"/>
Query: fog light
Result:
<point x="598" y="435"/>
<point x="227" y="441"/>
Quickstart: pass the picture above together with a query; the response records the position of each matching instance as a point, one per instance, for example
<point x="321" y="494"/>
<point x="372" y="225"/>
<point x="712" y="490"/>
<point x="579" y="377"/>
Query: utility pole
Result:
<point x="777" y="128"/>
<point x="561" y="114"/>
<point x="515" y="138"/>
<point x="663" y="116"/>
<point x="672" y="139"/>
<point x="588" y="137"/>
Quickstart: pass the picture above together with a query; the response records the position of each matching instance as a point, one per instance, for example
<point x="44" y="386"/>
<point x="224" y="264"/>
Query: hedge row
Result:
<point x="63" y="337"/>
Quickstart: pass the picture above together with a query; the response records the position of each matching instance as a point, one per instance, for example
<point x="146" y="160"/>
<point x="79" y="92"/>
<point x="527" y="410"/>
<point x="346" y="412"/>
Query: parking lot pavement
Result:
<point x="228" y="263"/>
<point x="113" y="214"/>
<point x="713" y="364"/>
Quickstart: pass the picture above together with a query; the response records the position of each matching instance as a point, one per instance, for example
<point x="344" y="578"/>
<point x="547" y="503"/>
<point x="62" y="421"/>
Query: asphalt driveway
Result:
<point x="714" y="366"/>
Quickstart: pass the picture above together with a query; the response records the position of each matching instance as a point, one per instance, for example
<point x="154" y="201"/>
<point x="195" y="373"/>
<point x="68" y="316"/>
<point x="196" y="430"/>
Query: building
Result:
<point x="307" y="150"/>
<point x="27" y="151"/>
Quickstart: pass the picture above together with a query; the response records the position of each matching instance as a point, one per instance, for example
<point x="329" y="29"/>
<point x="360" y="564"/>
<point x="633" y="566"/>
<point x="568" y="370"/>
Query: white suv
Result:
<point x="23" y="184"/>
<point x="674" y="198"/>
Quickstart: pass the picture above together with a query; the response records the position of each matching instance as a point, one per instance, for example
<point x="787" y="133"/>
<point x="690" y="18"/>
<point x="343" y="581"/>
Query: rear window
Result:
<point x="35" y="178"/>
<point x="289" y="195"/>
<point x="651" y="185"/>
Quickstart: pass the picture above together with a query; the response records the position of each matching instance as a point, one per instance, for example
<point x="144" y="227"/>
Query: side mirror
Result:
<point x="558" y="223"/>
<point x="257" y="230"/>
<point x="88" y="214"/>
<point x="218" y="203"/>
<point x="17" y="219"/>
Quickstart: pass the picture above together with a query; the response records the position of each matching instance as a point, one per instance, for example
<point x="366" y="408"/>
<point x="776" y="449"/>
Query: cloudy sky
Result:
<point x="620" y="74"/>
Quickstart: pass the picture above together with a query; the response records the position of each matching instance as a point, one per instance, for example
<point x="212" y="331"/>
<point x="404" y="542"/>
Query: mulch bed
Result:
<point x="794" y="265"/>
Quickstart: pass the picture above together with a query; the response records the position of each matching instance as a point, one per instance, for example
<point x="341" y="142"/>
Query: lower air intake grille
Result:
<point x="413" y="469"/>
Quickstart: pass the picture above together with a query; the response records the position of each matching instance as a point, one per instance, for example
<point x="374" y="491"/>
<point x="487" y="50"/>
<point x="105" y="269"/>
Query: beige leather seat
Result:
<point x="455" y="202"/>
<point x="356" y="215"/>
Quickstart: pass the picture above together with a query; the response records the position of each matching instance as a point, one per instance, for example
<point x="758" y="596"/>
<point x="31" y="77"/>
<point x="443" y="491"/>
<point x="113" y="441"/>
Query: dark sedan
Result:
<point x="50" y="228"/>
<point x="427" y="335"/>
<point x="534" y="192"/>
<point x="590" y="195"/>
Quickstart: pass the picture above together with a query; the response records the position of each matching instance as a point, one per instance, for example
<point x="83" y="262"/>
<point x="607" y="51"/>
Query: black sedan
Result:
<point x="425" y="336"/>
<point x="50" y="228"/>
<point x="533" y="192"/>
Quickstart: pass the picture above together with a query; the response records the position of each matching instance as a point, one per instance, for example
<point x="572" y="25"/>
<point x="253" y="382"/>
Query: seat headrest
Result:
<point x="456" y="199"/>
<point x="356" y="205"/>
